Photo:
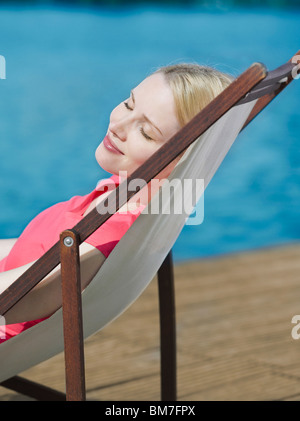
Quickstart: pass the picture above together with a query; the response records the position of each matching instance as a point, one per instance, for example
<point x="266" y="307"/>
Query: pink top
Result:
<point x="44" y="231"/>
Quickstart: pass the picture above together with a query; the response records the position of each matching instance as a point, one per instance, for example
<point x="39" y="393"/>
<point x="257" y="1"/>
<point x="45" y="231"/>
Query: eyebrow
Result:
<point x="145" y="117"/>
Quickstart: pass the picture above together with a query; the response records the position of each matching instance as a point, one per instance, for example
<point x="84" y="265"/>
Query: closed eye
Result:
<point x="127" y="106"/>
<point x="145" y="134"/>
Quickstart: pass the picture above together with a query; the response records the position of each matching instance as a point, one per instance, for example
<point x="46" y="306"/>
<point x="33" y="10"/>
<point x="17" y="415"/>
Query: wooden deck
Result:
<point x="234" y="336"/>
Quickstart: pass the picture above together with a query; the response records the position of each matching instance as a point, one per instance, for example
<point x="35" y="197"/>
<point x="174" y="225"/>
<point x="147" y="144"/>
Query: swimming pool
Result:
<point x="66" y="68"/>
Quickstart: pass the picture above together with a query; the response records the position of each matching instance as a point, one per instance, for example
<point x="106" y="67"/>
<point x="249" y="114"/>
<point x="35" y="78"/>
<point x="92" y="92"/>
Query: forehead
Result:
<point x="154" y="98"/>
<point x="155" y="89"/>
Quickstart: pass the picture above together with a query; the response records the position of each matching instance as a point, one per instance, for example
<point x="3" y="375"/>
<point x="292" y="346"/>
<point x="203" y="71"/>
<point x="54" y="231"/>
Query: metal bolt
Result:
<point x="68" y="241"/>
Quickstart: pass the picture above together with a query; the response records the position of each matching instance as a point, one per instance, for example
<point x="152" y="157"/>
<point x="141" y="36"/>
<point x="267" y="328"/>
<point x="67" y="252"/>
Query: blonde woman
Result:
<point x="154" y="111"/>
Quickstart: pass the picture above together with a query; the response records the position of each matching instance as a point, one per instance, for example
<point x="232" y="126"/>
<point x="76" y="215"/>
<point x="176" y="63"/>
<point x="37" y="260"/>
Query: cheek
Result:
<point x="140" y="150"/>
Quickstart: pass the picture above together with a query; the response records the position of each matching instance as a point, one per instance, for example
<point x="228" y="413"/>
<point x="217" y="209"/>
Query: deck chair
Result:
<point x="146" y="248"/>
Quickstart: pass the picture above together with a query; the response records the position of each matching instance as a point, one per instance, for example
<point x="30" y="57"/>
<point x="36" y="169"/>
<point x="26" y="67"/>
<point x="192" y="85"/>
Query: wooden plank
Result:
<point x="33" y="390"/>
<point x="167" y="312"/>
<point x="266" y="99"/>
<point x="72" y="317"/>
<point x="233" y="335"/>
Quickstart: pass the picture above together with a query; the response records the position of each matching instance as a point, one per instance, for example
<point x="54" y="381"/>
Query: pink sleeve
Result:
<point x="109" y="234"/>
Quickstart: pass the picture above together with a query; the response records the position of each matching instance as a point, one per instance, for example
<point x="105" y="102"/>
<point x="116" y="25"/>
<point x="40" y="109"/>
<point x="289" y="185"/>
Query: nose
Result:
<point x="118" y="131"/>
<point x="119" y="126"/>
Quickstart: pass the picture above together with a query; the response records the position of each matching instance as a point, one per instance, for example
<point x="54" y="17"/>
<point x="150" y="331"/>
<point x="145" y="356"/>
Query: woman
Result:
<point x="155" y="110"/>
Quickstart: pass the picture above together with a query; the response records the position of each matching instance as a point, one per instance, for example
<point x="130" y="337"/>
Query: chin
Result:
<point x="103" y="161"/>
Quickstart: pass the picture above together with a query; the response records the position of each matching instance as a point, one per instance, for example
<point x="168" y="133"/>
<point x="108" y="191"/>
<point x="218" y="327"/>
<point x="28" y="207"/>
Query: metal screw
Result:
<point x="68" y="241"/>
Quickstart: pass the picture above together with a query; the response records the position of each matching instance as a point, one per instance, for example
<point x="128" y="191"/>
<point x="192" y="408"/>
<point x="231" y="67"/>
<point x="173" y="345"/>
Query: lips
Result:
<point x="110" y="146"/>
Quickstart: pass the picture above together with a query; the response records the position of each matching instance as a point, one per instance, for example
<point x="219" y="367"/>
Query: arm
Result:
<point x="6" y="246"/>
<point x="45" y="298"/>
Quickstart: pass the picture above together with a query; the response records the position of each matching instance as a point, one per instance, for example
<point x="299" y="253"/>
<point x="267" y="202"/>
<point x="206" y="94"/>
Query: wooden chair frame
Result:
<point x="254" y="83"/>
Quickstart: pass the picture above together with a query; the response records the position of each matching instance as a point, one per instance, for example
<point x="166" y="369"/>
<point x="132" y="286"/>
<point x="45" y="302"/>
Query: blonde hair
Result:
<point x="193" y="87"/>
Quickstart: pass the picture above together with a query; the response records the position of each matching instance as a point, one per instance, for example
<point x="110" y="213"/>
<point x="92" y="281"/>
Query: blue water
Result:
<point x="67" y="68"/>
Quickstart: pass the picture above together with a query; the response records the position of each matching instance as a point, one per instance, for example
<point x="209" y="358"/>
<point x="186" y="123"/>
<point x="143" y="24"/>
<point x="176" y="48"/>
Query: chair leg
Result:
<point x="32" y="389"/>
<point x="166" y="293"/>
<point x="73" y="331"/>
<point x="72" y="317"/>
